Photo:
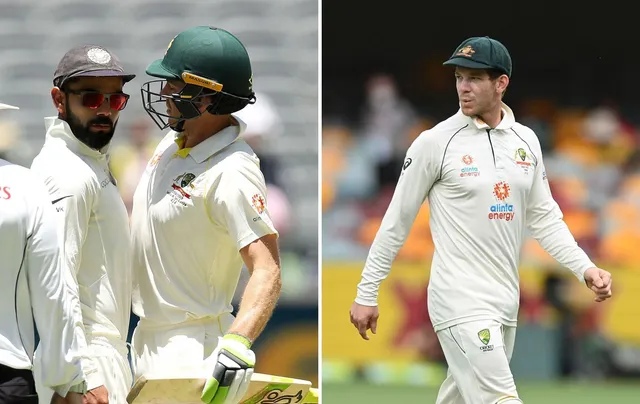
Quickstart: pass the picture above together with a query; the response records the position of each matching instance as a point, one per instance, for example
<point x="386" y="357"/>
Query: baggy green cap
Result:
<point x="482" y="53"/>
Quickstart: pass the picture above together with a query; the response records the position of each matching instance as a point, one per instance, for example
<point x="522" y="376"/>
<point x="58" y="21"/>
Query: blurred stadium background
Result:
<point x="282" y="40"/>
<point x="383" y="83"/>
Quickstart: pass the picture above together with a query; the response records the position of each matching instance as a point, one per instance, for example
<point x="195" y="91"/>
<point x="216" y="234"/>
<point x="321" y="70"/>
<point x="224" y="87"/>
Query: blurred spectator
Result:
<point x="387" y="118"/>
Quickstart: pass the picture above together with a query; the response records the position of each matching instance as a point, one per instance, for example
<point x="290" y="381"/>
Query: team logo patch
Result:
<point x="258" y="203"/>
<point x="178" y="192"/>
<point x="99" y="56"/>
<point x="503" y="210"/>
<point x="169" y="46"/>
<point x="186" y="179"/>
<point x="485" y="337"/>
<point x="467" y="51"/>
<point x="521" y="160"/>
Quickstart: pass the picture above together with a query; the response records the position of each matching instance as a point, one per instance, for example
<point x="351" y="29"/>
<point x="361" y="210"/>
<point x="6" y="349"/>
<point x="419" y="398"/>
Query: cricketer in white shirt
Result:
<point x="95" y="227"/>
<point x="33" y="285"/>
<point x="485" y="187"/>
<point x="193" y="210"/>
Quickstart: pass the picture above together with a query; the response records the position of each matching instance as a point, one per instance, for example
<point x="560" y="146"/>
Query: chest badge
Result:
<point x="521" y="160"/>
<point x="179" y="184"/>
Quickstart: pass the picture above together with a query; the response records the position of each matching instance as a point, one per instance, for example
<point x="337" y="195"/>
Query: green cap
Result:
<point x="210" y="53"/>
<point x="481" y="53"/>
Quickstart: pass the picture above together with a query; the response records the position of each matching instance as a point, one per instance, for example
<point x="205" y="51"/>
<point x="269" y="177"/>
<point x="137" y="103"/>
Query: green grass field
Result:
<point x="530" y="393"/>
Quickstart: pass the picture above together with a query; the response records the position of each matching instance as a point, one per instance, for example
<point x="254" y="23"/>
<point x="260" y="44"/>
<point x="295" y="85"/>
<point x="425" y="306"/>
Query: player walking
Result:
<point x="478" y="225"/>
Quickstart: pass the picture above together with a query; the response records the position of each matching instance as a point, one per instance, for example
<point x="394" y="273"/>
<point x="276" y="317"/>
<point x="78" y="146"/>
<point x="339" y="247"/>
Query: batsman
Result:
<point x="200" y="213"/>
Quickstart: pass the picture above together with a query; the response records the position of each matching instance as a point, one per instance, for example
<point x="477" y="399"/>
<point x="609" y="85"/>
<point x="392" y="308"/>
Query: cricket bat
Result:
<point x="263" y="389"/>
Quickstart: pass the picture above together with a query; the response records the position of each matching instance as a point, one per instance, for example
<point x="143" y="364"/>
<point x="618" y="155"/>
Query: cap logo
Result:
<point x="169" y="46"/>
<point x="467" y="51"/>
<point x="99" y="56"/>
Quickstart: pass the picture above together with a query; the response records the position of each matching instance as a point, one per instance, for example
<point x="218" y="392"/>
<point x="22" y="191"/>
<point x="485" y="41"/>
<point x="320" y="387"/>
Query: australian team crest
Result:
<point x="180" y="184"/>
<point x="185" y="179"/>
<point x="484" y="336"/>
<point x="521" y="160"/>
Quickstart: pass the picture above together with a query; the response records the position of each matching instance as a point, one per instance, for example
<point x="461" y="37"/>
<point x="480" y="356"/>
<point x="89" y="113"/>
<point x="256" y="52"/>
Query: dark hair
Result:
<point x="65" y="85"/>
<point x="494" y="73"/>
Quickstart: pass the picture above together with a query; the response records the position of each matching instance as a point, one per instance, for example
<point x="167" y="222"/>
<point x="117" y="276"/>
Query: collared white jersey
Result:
<point x="485" y="187"/>
<point x="95" y="229"/>
<point x="193" y="210"/>
<point x="33" y="284"/>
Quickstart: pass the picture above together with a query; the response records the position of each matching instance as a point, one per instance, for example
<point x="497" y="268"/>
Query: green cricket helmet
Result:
<point x="212" y="63"/>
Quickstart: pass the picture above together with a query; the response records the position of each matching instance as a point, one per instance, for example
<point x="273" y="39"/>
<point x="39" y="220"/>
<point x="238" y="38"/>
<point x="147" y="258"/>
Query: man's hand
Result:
<point x="74" y="398"/>
<point x="71" y="398"/>
<point x="99" y="395"/>
<point x="599" y="281"/>
<point x="232" y="373"/>
<point x="364" y="318"/>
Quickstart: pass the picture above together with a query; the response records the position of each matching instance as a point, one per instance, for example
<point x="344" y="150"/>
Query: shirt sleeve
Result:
<point x="56" y="309"/>
<point x="238" y="202"/>
<point x="74" y="203"/>
<point x="545" y="223"/>
<point x="420" y="171"/>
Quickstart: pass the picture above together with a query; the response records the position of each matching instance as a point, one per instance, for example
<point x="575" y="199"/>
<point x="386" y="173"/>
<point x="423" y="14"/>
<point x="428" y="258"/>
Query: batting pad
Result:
<point x="263" y="389"/>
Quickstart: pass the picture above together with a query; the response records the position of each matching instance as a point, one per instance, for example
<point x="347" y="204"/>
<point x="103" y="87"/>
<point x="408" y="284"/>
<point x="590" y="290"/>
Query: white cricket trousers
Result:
<point x="478" y="355"/>
<point x="177" y="350"/>
<point x="113" y="364"/>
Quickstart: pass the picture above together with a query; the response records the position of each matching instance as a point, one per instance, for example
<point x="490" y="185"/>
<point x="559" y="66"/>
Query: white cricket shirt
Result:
<point x="32" y="284"/>
<point x="485" y="187"/>
<point x="193" y="210"/>
<point x="95" y="228"/>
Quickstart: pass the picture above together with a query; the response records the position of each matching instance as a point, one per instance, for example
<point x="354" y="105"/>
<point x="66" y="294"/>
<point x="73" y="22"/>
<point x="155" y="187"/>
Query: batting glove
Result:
<point x="232" y="372"/>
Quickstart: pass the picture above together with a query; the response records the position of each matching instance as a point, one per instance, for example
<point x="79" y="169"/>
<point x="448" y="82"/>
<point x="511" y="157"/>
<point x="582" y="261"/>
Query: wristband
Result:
<point x="240" y="338"/>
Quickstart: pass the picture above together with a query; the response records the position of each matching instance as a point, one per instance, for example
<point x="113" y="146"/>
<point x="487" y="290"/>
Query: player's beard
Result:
<point x="93" y="139"/>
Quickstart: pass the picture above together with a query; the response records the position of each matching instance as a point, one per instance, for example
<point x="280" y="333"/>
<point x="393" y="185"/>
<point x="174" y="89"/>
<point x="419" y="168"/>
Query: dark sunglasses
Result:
<point x="94" y="99"/>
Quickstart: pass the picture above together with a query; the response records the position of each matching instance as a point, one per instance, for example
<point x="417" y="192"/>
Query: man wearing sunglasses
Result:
<point x="88" y="97"/>
<point x="203" y="181"/>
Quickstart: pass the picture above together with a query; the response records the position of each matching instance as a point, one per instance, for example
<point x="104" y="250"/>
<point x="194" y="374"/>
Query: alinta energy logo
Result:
<point x="469" y="170"/>
<point x="502" y="210"/>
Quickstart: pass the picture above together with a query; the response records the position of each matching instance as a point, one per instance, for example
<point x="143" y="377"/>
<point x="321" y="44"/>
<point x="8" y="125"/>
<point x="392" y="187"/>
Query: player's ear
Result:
<point x="58" y="98"/>
<point x="503" y="83"/>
